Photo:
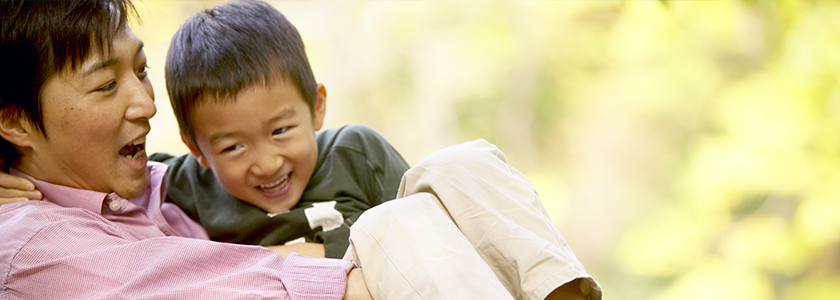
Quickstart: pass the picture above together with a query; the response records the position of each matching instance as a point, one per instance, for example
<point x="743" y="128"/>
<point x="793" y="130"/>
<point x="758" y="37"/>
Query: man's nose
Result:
<point x="141" y="101"/>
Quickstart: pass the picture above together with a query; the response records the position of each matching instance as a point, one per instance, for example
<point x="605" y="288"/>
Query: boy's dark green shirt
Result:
<point x="356" y="170"/>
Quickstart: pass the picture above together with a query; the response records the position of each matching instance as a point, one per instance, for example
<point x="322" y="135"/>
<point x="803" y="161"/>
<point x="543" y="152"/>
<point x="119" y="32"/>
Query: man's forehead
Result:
<point x="110" y="54"/>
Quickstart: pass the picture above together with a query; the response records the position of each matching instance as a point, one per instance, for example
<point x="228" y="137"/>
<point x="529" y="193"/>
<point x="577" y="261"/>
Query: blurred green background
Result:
<point x="685" y="149"/>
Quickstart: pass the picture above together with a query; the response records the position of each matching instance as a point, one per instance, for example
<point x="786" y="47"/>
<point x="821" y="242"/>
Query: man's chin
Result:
<point x="134" y="188"/>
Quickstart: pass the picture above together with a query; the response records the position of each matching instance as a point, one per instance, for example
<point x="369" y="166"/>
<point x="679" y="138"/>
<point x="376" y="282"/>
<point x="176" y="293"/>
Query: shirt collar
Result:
<point x="91" y="200"/>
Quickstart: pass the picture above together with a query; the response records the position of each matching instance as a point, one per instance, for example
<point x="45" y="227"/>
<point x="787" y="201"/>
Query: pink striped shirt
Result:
<point x="79" y="244"/>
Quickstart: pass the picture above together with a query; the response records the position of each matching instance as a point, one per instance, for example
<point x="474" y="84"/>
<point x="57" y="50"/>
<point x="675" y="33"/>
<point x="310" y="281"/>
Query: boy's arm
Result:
<point x="178" y="190"/>
<point x="359" y="169"/>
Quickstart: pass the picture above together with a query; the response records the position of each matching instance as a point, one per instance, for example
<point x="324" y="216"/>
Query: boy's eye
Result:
<point x="232" y="148"/>
<point x="280" y="130"/>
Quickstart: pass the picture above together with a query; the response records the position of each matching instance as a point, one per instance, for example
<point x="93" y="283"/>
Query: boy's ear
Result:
<point x="319" y="108"/>
<point x="195" y="151"/>
<point x="15" y="128"/>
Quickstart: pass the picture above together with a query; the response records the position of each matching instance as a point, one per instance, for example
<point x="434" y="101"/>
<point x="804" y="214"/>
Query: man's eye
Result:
<point x="143" y="71"/>
<point x="108" y="86"/>
<point x="280" y="130"/>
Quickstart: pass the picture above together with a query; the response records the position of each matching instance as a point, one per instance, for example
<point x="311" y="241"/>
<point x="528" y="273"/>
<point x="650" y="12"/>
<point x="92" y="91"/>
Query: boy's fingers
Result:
<point x="8" y="195"/>
<point x="15" y="183"/>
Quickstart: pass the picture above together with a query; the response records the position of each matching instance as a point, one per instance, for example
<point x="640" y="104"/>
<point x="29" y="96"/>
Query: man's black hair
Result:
<point x="39" y="39"/>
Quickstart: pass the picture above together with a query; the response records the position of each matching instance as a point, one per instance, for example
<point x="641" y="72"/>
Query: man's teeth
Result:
<point x="139" y="141"/>
<point x="136" y="155"/>
<point x="134" y="150"/>
<point x="275" y="186"/>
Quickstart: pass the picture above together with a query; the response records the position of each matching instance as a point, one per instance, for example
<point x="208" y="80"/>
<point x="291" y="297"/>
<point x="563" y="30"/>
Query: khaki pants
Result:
<point x="466" y="225"/>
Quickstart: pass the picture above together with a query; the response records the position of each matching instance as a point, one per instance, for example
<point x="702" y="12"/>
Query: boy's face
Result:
<point x="261" y="146"/>
<point x="96" y="118"/>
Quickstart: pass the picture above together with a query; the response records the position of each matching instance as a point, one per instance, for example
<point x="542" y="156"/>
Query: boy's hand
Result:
<point x="14" y="189"/>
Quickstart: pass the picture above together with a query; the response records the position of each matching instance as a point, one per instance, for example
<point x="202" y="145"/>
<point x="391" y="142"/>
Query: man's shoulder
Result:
<point x="26" y="211"/>
<point x="20" y="221"/>
<point x="16" y="218"/>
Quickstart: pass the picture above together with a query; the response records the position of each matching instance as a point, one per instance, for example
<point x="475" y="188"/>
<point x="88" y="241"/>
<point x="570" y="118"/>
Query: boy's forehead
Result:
<point x="282" y="94"/>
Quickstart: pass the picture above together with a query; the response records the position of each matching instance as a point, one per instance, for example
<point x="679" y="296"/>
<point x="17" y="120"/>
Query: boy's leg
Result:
<point x="409" y="249"/>
<point x="498" y="211"/>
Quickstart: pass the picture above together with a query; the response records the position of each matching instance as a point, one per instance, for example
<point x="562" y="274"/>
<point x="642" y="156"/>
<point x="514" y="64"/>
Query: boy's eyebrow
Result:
<point x="218" y="136"/>
<point x="112" y="61"/>
<point x="288" y="113"/>
<point x="283" y="115"/>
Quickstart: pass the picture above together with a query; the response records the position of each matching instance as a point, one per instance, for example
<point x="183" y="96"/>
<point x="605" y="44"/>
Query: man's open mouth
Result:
<point x="134" y="150"/>
<point x="276" y="185"/>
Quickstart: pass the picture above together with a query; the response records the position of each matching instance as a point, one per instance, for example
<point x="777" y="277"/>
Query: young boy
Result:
<point x="248" y="107"/>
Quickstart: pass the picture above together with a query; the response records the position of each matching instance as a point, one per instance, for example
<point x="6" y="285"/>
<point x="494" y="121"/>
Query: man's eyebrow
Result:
<point x="139" y="48"/>
<point x="109" y="62"/>
<point x="100" y="66"/>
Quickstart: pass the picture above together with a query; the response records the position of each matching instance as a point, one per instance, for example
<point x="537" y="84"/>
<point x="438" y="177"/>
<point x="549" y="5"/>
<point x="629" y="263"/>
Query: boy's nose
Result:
<point x="267" y="165"/>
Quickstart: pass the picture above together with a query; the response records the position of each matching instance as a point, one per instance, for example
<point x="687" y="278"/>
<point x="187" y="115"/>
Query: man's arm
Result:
<point x="308" y="249"/>
<point x="356" y="287"/>
<point x="96" y="260"/>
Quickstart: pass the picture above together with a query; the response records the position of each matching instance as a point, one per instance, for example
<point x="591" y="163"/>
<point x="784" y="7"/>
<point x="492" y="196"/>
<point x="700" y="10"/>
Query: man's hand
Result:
<point x="308" y="249"/>
<point x="14" y="189"/>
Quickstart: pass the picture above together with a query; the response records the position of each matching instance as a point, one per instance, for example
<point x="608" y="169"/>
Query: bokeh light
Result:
<point x="685" y="149"/>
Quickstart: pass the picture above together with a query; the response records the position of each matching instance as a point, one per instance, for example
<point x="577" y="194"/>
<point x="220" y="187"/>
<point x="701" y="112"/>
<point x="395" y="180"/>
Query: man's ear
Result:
<point x="15" y="128"/>
<point x="195" y="151"/>
<point x="319" y="108"/>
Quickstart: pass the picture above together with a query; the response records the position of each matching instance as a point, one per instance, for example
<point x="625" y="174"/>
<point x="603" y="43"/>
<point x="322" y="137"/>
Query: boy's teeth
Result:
<point x="275" y="186"/>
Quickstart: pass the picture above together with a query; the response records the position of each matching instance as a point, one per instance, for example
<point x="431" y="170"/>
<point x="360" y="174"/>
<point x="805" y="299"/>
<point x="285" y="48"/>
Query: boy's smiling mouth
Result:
<point x="275" y="186"/>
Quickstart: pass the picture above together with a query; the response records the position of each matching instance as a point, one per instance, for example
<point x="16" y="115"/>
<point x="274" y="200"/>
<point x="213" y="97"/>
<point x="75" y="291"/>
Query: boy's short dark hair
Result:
<point x="39" y="39"/>
<point x="228" y="48"/>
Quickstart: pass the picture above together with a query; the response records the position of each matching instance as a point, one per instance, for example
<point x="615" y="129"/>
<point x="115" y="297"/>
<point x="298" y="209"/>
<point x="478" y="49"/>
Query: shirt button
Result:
<point x="114" y="205"/>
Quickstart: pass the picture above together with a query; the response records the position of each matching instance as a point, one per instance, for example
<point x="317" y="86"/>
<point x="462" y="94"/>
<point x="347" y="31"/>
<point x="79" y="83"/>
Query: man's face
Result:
<point x="96" y="118"/>
<point x="261" y="146"/>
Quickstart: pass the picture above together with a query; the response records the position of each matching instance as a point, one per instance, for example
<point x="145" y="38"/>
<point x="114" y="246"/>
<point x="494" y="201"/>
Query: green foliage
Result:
<point x="687" y="149"/>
